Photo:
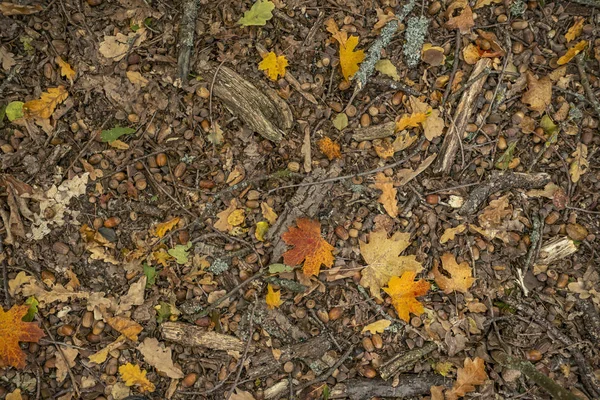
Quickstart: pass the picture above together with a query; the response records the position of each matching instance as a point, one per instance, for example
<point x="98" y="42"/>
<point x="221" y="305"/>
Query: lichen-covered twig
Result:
<point x="405" y="361"/>
<point x="374" y="53"/>
<point x="187" y="28"/>
<point x="416" y="28"/>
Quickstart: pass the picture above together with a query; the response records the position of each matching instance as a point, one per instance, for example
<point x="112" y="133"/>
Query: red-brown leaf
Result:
<point x="12" y="331"/>
<point x="309" y="247"/>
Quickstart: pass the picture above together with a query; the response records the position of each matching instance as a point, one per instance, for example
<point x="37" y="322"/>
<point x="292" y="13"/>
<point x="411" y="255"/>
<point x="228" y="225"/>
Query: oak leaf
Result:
<point x="273" y="298"/>
<point x="125" y="326"/>
<point x="410" y="121"/>
<point x="273" y="65"/>
<point x="579" y="164"/>
<point x="134" y="375"/>
<point x="450" y="233"/>
<point x="7" y="59"/>
<point x="539" y="92"/>
<point x="388" y="194"/>
<point x="309" y="247"/>
<point x="12" y="331"/>
<point x="161" y="229"/>
<point x="258" y="14"/>
<point x="118" y="46"/>
<point x="349" y="59"/>
<point x="461" y="275"/>
<point x="572" y="52"/>
<point x="472" y="374"/>
<point x="65" y="69"/>
<point x="268" y="213"/>
<point x="159" y="357"/>
<point x="8" y="9"/>
<point x="383" y="17"/>
<point x="329" y="148"/>
<point x="382" y="255"/>
<point x="137" y="78"/>
<point x="377" y="326"/>
<point x="387" y="68"/>
<point x="464" y="20"/>
<point x="404" y="290"/>
<point x="46" y="104"/>
<point x="575" y="30"/>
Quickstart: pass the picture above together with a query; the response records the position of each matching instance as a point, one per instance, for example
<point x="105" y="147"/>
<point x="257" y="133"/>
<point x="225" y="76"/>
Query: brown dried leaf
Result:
<point x="388" y="194"/>
<point x="464" y="20"/>
<point x="461" y="276"/>
<point x="539" y="93"/>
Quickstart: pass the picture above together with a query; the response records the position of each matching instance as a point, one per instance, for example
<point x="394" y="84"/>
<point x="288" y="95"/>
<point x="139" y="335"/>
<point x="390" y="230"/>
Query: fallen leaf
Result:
<point x="383" y="18"/>
<point x="118" y="46"/>
<point x="222" y="223"/>
<point x="329" y="148"/>
<point x="180" y="252"/>
<point x="273" y="297"/>
<point x="382" y="254"/>
<point x="309" y="246"/>
<point x="548" y="191"/>
<point x="433" y="126"/>
<point x="65" y="69"/>
<point x="241" y="395"/>
<point x="410" y="121"/>
<point x="572" y="52"/>
<point x="273" y="65"/>
<point x="539" y="92"/>
<point x="450" y="233"/>
<point x="483" y="3"/>
<point x="137" y="78"/>
<point x="14" y="110"/>
<point x="237" y="217"/>
<point x="132" y="375"/>
<point x="340" y="122"/>
<point x="262" y="228"/>
<point x="268" y="213"/>
<point x="461" y="276"/>
<point x="46" y="104"/>
<point x="161" y="229"/>
<point x="387" y="68"/>
<point x="433" y="55"/>
<point x="495" y="212"/>
<point x="9" y="9"/>
<point x="575" y="30"/>
<point x="159" y="357"/>
<point x="125" y="326"/>
<point x="472" y="374"/>
<point x="388" y="194"/>
<point x="349" y="59"/>
<point x="443" y="367"/>
<point x="15" y="395"/>
<point x="119" y="145"/>
<point x="579" y="164"/>
<point x="437" y="392"/>
<point x="377" y="326"/>
<point x="464" y="20"/>
<point x="384" y="148"/>
<point x="101" y="355"/>
<point x="406" y="175"/>
<point x="404" y="290"/>
<point x="62" y="369"/>
<point x="110" y="135"/>
<point x="7" y="59"/>
<point x="134" y="296"/>
<point x="258" y="14"/>
<point x="403" y="140"/>
<point x="14" y="330"/>
<point x="216" y="134"/>
<point x="471" y="54"/>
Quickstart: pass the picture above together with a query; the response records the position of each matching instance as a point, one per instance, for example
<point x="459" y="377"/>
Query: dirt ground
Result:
<point x="136" y="198"/>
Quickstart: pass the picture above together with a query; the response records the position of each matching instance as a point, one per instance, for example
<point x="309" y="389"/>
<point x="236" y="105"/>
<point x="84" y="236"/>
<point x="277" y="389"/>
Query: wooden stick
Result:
<point x="194" y="336"/>
<point x="187" y="29"/>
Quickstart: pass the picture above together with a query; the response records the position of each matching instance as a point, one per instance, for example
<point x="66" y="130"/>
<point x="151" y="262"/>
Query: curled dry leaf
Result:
<point x="464" y="20"/>
<point x="309" y="246"/>
<point x="575" y="29"/>
<point x="126" y="327"/>
<point x="539" y="92"/>
<point x="404" y="290"/>
<point x="461" y="275"/>
<point x="579" y="164"/>
<point x="388" y="194"/>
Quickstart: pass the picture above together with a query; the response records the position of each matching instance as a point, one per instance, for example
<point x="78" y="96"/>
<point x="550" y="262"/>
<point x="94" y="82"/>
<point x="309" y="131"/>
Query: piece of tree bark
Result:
<point x="187" y="29"/>
<point x="275" y="323"/>
<point x="408" y="386"/>
<point x="374" y="131"/>
<point x="463" y="112"/>
<point x="556" y="249"/>
<point x="266" y="114"/>
<point x="501" y="181"/>
<point x="591" y="318"/>
<point x="404" y="362"/>
<point x="190" y="335"/>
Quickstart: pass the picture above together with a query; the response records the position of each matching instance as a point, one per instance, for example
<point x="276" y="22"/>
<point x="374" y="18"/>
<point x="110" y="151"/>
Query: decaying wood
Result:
<point x="591" y="318"/>
<point x="306" y="202"/>
<point x="278" y="390"/>
<point x="187" y="29"/>
<point x="556" y="249"/>
<point x="309" y="351"/>
<point x="374" y="132"/>
<point x="263" y="113"/>
<point x="498" y="182"/>
<point x="460" y="120"/>
<point x="192" y="336"/>
<point x="404" y="362"/>
<point x="408" y="386"/>
<point x="276" y="324"/>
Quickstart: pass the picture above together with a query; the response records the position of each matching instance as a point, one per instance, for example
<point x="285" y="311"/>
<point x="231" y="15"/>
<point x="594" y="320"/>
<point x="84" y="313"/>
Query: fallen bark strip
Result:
<point x="260" y="111"/>
<point x="275" y="323"/>
<point x="501" y="181"/>
<point x="187" y="29"/>
<point x="194" y="336"/>
<point x="408" y="386"/>
<point x="374" y="131"/>
<point x="404" y="362"/>
<point x="591" y="318"/>
<point x="463" y="112"/>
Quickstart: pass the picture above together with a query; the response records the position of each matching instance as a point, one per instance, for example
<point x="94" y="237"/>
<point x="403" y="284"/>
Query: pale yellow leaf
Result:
<point x="579" y="164"/>
<point x="572" y="52"/>
<point x="388" y="194"/>
<point x="46" y="104"/>
<point x="450" y="233"/>
<point x="377" y="326"/>
<point x="575" y="30"/>
<point x="65" y="69"/>
<point x="387" y="68"/>
<point x="137" y="78"/>
<point x="268" y="213"/>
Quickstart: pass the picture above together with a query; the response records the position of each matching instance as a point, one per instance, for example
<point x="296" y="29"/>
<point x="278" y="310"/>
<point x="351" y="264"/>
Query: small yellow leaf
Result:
<point x="377" y="326"/>
<point x="387" y="68"/>
<point x="410" y="121"/>
<point x="236" y="218"/>
<point x="329" y="148"/>
<point x="137" y="78"/>
<point x="161" y="229"/>
<point x="575" y="30"/>
<point x="274" y="65"/>
<point x="261" y="230"/>
<point x="65" y="69"/>
<point x="118" y="144"/>
<point x="450" y="233"/>
<point x="443" y="367"/>
<point x="388" y="194"/>
<point x="580" y="164"/>
<point x="349" y="59"/>
<point x="46" y="104"/>
<point x="273" y="297"/>
<point x="572" y="52"/>
<point x="268" y="213"/>
<point x="134" y="375"/>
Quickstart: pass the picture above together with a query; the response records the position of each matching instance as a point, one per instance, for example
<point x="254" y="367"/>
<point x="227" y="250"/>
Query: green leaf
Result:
<point x="180" y="252"/>
<point x="326" y="392"/>
<point x="259" y="14"/>
<point x="33" y="309"/>
<point x="113" y="134"/>
<point x="163" y="312"/>
<point x="14" y="110"/>
<point x="505" y="159"/>
<point x="150" y="273"/>
<point x="548" y="125"/>
<point x="279" y="268"/>
<point x="340" y="121"/>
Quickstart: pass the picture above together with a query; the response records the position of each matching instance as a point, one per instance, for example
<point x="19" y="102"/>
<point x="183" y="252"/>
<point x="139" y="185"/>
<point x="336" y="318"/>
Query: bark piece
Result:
<point x="190" y="335"/>
<point x="404" y="362"/>
<point x="187" y="29"/>
<point x="408" y="386"/>
<point x="262" y="112"/>
<point x="276" y="324"/>
<point x="374" y="132"/>
<point x="591" y="318"/>
<point x="498" y="182"/>
<point x="461" y="119"/>
<point x="556" y="249"/>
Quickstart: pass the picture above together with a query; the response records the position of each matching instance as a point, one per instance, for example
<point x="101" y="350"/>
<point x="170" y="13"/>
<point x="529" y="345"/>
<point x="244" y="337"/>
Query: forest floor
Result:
<point x="257" y="230"/>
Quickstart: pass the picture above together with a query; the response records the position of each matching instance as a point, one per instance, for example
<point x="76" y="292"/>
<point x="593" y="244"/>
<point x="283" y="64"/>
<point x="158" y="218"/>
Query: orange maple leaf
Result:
<point x="330" y="148"/>
<point x="461" y="276"/>
<point x="472" y="374"/>
<point x="12" y="331"/>
<point x="403" y="291"/>
<point x="309" y="247"/>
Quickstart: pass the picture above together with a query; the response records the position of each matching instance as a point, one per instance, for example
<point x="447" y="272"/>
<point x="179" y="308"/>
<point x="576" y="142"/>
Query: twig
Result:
<point x="210" y="94"/>
<point x="535" y="238"/>
<point x="327" y="373"/>
<point x="187" y="30"/>
<point x="403" y="362"/>
<point x="4" y="273"/>
<point x="585" y="82"/>
<point x="181" y="206"/>
<point x="468" y="84"/>
<point x="454" y="68"/>
<point x="341" y="178"/>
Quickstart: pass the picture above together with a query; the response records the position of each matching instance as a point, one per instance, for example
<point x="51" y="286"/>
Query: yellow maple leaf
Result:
<point x="377" y="326"/>
<point x="273" y="297"/>
<point x="461" y="276"/>
<point x="65" y="69"/>
<point x="572" y="52"/>
<point x="309" y="247"/>
<point x="388" y="194"/>
<point x="382" y="255"/>
<point x="329" y="148"/>
<point x="161" y="229"/>
<point x="575" y="30"/>
<point x="134" y="375"/>
<point x="274" y="65"/>
<point x="349" y="59"/>
<point x="46" y="104"/>
<point x="473" y="373"/>
<point x="404" y="290"/>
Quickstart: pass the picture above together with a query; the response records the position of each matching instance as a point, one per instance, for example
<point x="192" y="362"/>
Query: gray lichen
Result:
<point x="415" y="36"/>
<point x="517" y="8"/>
<point x="218" y="267"/>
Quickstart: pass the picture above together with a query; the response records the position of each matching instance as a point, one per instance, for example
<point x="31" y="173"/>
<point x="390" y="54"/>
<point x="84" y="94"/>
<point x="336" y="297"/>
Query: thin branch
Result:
<point x="585" y="82"/>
